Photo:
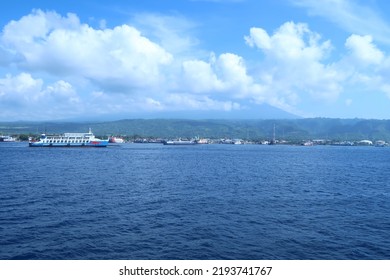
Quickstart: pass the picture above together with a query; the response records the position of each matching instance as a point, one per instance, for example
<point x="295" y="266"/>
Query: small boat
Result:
<point x="308" y="143"/>
<point x="116" y="140"/>
<point x="231" y="141"/>
<point x="179" y="142"/>
<point x="4" y="138"/>
<point x="202" y="141"/>
<point x="69" y="140"/>
<point x="380" y="143"/>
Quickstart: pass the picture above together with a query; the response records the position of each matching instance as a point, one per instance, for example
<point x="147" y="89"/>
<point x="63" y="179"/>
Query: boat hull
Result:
<point x="179" y="143"/>
<point x="92" y="144"/>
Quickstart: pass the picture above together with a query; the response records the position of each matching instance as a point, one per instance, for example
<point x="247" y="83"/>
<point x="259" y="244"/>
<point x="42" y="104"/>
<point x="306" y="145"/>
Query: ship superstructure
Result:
<point x="69" y="140"/>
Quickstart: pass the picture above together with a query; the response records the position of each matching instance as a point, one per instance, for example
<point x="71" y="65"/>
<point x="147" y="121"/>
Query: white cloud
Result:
<point x="296" y="66"/>
<point x="363" y="50"/>
<point x="183" y="101"/>
<point x="24" y="96"/>
<point x="200" y="77"/>
<point x="294" y="63"/>
<point x="21" y="89"/>
<point x="172" y="32"/>
<point x="61" y="90"/>
<point x="36" y="26"/>
<point x="351" y="16"/>
<point x="224" y="77"/>
<point x="291" y="41"/>
<point x="121" y="60"/>
<point x="385" y="87"/>
<point x="64" y="67"/>
<point x="364" y="66"/>
<point x="233" y="73"/>
<point x="258" y="38"/>
<point x="63" y="46"/>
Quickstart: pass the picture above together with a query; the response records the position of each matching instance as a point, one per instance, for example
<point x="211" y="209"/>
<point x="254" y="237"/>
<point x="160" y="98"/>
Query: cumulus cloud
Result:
<point x="296" y="66"/>
<point x="233" y="73"/>
<point x="294" y="63"/>
<point x="21" y="89"/>
<point x="291" y="41"/>
<point x="224" y="75"/>
<point x="62" y="66"/>
<point x="199" y="76"/>
<point x="24" y="96"/>
<point x="364" y="65"/>
<point x="363" y="49"/>
<point x="63" y="46"/>
<point x="120" y="60"/>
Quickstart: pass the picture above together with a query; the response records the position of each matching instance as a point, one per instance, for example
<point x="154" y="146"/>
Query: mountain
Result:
<point x="247" y="111"/>
<point x="287" y="129"/>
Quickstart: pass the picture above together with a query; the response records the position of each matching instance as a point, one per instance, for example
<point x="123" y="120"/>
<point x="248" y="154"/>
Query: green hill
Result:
<point x="294" y="130"/>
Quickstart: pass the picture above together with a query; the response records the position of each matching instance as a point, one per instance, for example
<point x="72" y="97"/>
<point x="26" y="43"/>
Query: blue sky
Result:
<point x="91" y="59"/>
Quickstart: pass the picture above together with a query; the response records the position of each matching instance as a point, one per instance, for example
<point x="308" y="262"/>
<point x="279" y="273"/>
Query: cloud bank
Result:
<point x="65" y="68"/>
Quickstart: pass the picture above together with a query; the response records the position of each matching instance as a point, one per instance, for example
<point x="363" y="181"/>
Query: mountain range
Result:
<point x="252" y="129"/>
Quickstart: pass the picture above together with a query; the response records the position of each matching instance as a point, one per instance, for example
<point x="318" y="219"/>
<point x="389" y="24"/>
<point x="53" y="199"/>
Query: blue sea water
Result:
<point x="150" y="201"/>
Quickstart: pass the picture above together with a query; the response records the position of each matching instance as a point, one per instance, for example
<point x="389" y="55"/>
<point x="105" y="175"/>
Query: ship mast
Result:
<point x="274" y="136"/>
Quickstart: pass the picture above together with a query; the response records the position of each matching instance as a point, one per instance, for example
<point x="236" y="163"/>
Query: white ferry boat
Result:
<point x="69" y="140"/>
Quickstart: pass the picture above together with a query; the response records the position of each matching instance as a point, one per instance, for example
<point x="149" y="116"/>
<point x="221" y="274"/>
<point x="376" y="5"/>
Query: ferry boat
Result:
<point x="69" y="140"/>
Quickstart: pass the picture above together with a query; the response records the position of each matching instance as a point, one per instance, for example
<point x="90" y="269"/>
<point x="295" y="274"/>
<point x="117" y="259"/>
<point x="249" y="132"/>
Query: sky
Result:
<point x="100" y="59"/>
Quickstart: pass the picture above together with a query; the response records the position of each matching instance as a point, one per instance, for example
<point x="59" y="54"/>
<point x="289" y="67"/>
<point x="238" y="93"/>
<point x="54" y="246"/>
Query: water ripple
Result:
<point x="200" y="202"/>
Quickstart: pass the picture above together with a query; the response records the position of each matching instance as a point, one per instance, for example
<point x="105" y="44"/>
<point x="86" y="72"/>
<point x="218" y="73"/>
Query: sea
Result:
<point x="200" y="202"/>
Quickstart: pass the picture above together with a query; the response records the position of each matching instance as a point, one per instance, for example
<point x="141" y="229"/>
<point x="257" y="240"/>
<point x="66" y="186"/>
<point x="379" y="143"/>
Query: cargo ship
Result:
<point x="68" y="140"/>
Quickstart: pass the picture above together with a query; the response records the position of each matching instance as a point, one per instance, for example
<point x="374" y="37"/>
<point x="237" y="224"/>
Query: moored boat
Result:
<point x="7" y="138"/>
<point x="179" y="142"/>
<point x="69" y="140"/>
<point x="202" y="141"/>
<point x="116" y="140"/>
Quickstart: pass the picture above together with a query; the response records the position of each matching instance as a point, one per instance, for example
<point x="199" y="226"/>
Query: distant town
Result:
<point x="120" y="139"/>
<point x="304" y="132"/>
<point x="379" y="143"/>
